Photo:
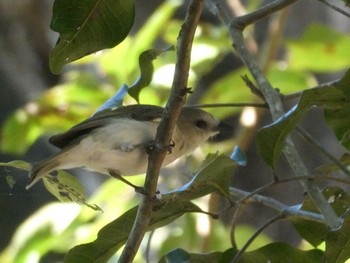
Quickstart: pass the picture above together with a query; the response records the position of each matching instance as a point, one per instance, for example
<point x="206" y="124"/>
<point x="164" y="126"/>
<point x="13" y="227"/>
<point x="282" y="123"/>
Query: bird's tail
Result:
<point x="40" y="169"/>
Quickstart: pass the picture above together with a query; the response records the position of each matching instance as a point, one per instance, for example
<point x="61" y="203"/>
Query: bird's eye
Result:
<point x="201" y="124"/>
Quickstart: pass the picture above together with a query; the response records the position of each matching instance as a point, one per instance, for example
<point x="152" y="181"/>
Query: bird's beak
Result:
<point x="224" y="132"/>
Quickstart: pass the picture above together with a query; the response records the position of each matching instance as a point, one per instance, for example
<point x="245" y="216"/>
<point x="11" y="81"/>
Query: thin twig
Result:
<point x="165" y="128"/>
<point x="275" y="205"/>
<point x="335" y="8"/>
<point x="283" y="209"/>
<point x="307" y="137"/>
<point x="231" y="105"/>
<point x="252" y="87"/>
<point x="234" y="222"/>
<point x="257" y="233"/>
<point x="291" y="179"/>
<point x="148" y="247"/>
<point x="262" y="12"/>
<point x="235" y="27"/>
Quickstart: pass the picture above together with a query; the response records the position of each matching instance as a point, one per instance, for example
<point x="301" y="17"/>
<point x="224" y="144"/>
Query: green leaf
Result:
<point x="270" y="139"/>
<point x="282" y="252"/>
<point x="273" y="252"/>
<point x="66" y="188"/>
<point x="176" y="255"/>
<point x="87" y="26"/>
<point x="315" y="233"/>
<point x="288" y="80"/>
<point x="337" y="117"/>
<point x="338" y="243"/>
<point x="219" y="92"/>
<point x="10" y="181"/>
<point x="129" y="51"/>
<point x="19" y="164"/>
<point x="213" y="176"/>
<point x="113" y="236"/>
<point x="181" y="255"/>
<point x="317" y="47"/>
<point x="146" y="67"/>
<point x="19" y="125"/>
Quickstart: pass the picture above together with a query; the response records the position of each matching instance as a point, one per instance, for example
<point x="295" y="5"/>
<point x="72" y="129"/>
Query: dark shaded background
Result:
<point x="25" y="42"/>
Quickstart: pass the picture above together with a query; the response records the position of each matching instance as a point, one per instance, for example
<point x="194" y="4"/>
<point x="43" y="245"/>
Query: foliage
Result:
<point x="86" y="27"/>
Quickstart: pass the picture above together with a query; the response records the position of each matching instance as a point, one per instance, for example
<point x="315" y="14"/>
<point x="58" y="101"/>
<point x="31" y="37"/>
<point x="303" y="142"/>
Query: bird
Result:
<point x="116" y="141"/>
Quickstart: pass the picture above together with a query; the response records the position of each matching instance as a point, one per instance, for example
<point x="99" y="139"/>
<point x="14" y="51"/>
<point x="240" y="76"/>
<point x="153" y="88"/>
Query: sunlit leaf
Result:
<point x="88" y="26"/>
<point x="338" y="243"/>
<point x="20" y="125"/>
<point x="229" y="88"/>
<point x="19" y="164"/>
<point x="317" y="47"/>
<point x="113" y="236"/>
<point x="210" y="44"/>
<point x="55" y="111"/>
<point x="66" y="188"/>
<point x="288" y="80"/>
<point x="121" y="62"/>
<point x="41" y="232"/>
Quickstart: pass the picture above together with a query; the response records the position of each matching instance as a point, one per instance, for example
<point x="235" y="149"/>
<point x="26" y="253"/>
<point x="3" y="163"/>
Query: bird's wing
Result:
<point x="78" y="132"/>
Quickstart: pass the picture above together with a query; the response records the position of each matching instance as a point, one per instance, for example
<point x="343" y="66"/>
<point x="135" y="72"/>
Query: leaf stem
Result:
<point x="307" y="137"/>
<point x="257" y="233"/>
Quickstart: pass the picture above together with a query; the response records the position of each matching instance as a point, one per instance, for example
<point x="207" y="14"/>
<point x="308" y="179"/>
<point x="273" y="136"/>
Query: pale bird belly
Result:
<point x="105" y="153"/>
<point x="125" y="162"/>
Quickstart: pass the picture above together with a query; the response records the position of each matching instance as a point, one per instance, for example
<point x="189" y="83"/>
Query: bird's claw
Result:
<point x="171" y="146"/>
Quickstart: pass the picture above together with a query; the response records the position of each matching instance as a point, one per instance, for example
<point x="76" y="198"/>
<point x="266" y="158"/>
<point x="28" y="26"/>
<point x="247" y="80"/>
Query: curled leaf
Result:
<point x="146" y="67"/>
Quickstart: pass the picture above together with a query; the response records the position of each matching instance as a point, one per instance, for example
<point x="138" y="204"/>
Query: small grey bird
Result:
<point x="115" y="142"/>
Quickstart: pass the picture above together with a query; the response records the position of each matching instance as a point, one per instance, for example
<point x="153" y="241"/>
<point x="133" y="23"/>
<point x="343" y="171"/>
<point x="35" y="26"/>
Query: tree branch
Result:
<point x="272" y="97"/>
<point x="262" y="12"/>
<point x="231" y="105"/>
<point x="165" y="129"/>
<point x="276" y="205"/>
<point x="335" y="8"/>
